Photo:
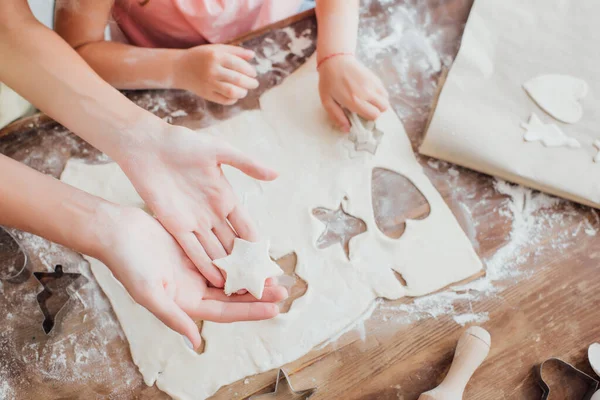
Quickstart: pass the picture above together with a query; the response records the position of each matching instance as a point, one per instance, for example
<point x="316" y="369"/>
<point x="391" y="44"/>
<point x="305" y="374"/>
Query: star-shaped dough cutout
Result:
<point x="340" y="227"/>
<point x="248" y="267"/>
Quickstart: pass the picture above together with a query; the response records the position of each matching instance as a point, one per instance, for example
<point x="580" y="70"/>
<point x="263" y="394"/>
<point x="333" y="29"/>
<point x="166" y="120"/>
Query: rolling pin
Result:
<point x="472" y="348"/>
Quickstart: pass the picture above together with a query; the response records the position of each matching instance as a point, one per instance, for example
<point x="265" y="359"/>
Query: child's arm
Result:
<point x="218" y="73"/>
<point x="343" y="80"/>
<point x="176" y="171"/>
<point x="133" y="245"/>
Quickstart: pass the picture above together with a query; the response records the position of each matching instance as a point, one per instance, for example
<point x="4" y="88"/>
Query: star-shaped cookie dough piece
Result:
<point x="248" y="267"/>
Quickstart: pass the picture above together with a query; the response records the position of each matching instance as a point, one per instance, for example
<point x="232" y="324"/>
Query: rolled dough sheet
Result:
<point x="477" y="122"/>
<point x="318" y="168"/>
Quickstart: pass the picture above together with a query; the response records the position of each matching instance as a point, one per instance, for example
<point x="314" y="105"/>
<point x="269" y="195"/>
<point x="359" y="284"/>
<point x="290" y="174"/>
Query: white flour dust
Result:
<point x="534" y="215"/>
<point x="471" y="318"/>
<point x="274" y="52"/>
<point x="85" y="348"/>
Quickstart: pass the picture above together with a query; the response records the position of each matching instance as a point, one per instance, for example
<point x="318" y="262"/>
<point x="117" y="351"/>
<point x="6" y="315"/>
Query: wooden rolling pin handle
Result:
<point x="472" y="348"/>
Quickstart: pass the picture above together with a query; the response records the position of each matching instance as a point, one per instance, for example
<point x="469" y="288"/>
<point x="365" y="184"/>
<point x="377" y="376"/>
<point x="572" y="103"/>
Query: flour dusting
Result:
<point x="274" y="52"/>
<point x="471" y="318"/>
<point x="532" y="215"/>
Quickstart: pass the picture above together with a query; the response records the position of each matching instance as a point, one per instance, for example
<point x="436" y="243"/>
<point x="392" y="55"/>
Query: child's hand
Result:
<point x="157" y="274"/>
<point x="345" y="82"/>
<point x="178" y="174"/>
<point x="217" y="72"/>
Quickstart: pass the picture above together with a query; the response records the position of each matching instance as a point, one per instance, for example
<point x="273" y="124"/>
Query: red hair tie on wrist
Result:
<point x="320" y="62"/>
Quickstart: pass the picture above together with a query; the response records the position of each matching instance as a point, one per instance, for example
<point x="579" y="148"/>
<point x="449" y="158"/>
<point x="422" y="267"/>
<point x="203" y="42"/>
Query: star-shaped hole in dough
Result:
<point x="295" y="285"/>
<point x="364" y="134"/>
<point x="248" y="267"/>
<point x="340" y="227"/>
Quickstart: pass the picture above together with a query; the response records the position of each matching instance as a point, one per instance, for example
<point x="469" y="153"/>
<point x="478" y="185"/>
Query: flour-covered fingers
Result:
<point x="194" y="250"/>
<point x="365" y="109"/>
<point x="238" y="79"/>
<point x="336" y="113"/>
<point x="378" y="101"/>
<point x="230" y="91"/>
<point x="219" y="311"/>
<point x="165" y="309"/>
<point x="220" y="99"/>
<point x="250" y="166"/>
<point x="240" y="65"/>
<point x="246" y="54"/>
<point x="225" y="234"/>
<point x="211" y="244"/>
<point x="242" y="223"/>
<point x="271" y="294"/>
<point x="271" y="282"/>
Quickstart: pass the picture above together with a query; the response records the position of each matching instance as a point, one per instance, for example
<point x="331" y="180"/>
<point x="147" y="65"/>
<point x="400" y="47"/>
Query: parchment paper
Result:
<point x="482" y="105"/>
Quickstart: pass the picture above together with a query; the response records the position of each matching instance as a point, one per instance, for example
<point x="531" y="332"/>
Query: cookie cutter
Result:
<point x="11" y="251"/>
<point x="281" y="374"/>
<point x="364" y="134"/>
<point x="55" y="295"/>
<point x="592" y="382"/>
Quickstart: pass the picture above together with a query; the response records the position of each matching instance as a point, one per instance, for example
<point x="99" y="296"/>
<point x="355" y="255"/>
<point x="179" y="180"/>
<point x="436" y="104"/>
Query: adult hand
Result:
<point x="217" y="72"/>
<point x="345" y="83"/>
<point x="149" y="263"/>
<point x="179" y="176"/>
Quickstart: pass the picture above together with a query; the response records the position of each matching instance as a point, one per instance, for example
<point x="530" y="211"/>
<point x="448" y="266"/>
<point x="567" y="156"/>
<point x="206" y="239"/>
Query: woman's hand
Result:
<point x="158" y="275"/>
<point x="178" y="174"/>
<point x="345" y="83"/>
<point x="217" y="72"/>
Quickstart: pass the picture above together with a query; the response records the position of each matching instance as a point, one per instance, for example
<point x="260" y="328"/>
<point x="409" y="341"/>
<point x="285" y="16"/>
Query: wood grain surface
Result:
<point x="547" y="308"/>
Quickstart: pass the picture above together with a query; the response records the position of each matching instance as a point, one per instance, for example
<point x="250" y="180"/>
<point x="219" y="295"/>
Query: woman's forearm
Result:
<point x="338" y="25"/>
<point x="130" y="67"/>
<point x="41" y="67"/>
<point x="40" y="204"/>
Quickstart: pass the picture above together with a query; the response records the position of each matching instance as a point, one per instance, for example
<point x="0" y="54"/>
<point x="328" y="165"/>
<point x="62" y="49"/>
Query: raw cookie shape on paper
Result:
<point x="558" y="95"/>
<point x="248" y="267"/>
<point x="292" y="134"/>
<point x="549" y="134"/>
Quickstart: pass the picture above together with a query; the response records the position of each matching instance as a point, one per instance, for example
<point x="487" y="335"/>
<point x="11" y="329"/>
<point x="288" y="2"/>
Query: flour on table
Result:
<point x="594" y="357"/>
<point x="248" y="267"/>
<point x="558" y="95"/>
<point x="549" y="134"/>
<point x="315" y="170"/>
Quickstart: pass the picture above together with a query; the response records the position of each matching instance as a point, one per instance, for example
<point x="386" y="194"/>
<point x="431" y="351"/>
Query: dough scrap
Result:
<point x="292" y="134"/>
<point x="12" y="106"/>
<point x="248" y="267"/>
<point x="594" y="357"/>
<point x="549" y="134"/>
<point x="558" y="95"/>
<point x="478" y="113"/>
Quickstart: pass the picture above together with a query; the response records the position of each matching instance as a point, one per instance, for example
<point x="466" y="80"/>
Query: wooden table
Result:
<point x="547" y="310"/>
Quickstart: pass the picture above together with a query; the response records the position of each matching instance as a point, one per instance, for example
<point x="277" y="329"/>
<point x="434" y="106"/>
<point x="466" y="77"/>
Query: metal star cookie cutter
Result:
<point x="55" y="295"/>
<point x="14" y="257"/>
<point x="364" y="134"/>
<point x="305" y="394"/>
<point x="592" y="383"/>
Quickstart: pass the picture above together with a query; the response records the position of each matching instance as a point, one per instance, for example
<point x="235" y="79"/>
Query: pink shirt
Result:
<point x="187" y="23"/>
